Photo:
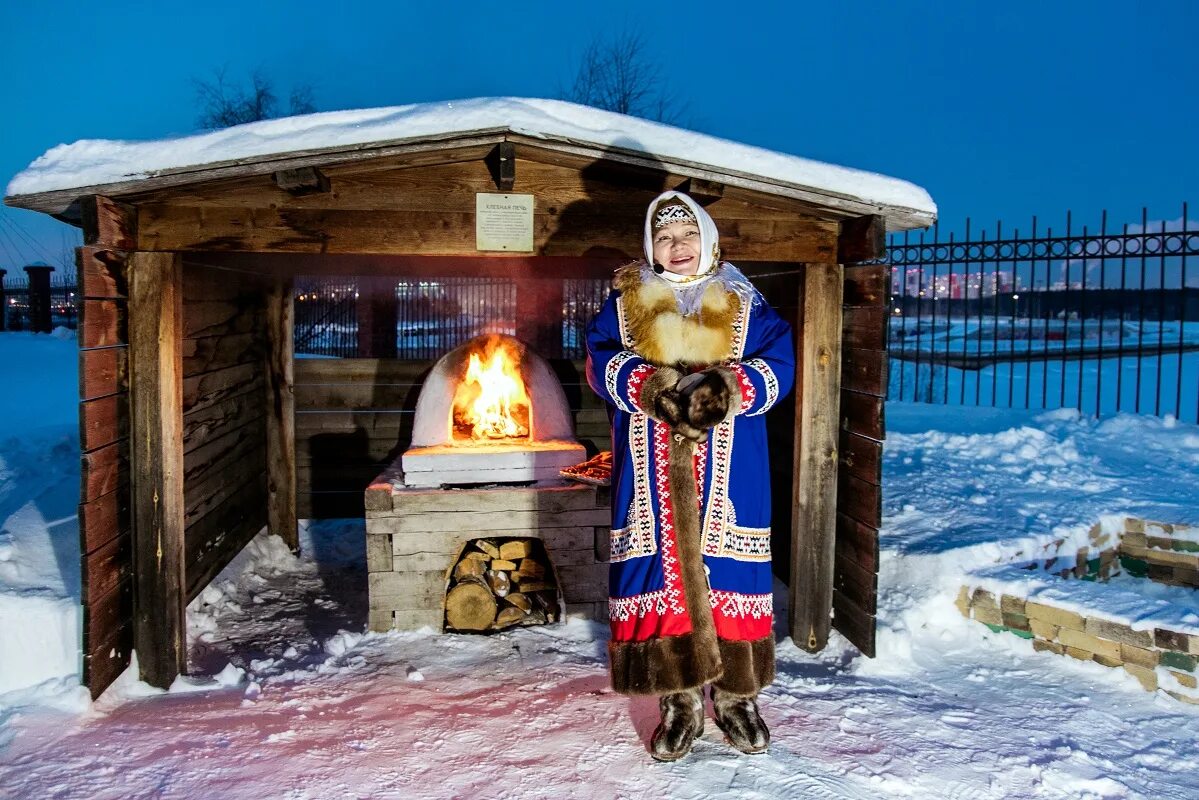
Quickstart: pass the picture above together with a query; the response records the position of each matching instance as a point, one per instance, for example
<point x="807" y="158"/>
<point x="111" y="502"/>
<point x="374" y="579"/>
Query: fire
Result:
<point x="490" y="402"/>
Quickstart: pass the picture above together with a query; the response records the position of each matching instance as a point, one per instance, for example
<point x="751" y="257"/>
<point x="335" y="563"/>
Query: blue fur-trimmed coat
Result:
<point x="690" y="577"/>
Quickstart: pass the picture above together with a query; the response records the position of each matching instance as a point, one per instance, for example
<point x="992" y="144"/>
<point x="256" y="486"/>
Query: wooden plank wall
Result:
<point x="782" y="286"/>
<point x="354" y="416"/>
<point x="105" y="528"/>
<point x="224" y="408"/>
<point x="859" y="486"/>
<point x="859" y="480"/>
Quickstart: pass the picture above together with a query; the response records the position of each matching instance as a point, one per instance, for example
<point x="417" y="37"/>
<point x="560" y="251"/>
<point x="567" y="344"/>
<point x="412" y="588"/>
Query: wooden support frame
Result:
<point x="302" y="181"/>
<point x="862" y="239"/>
<point x="280" y="413"/>
<point x="156" y="405"/>
<point x="817" y="397"/>
<point x="501" y="163"/>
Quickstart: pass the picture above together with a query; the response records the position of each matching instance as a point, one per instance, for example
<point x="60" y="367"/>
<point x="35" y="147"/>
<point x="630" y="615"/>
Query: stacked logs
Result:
<point x="497" y="584"/>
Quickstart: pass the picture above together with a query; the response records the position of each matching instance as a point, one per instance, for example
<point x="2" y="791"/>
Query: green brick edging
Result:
<point x="1159" y="658"/>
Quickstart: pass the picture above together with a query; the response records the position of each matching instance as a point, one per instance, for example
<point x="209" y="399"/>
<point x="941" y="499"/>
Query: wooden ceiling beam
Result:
<point x="418" y="232"/>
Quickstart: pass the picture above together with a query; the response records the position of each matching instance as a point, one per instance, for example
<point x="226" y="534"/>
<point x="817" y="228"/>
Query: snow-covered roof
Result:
<point x="100" y="166"/>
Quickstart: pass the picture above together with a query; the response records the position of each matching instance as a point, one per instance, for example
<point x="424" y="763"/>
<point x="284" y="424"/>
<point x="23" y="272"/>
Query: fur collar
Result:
<point x="659" y="333"/>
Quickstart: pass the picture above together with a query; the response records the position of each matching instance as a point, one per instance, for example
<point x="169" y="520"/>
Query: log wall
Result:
<point x="863" y="426"/>
<point x="354" y="416"/>
<point x="224" y="409"/>
<point x="105" y="527"/>
<point x="862" y="429"/>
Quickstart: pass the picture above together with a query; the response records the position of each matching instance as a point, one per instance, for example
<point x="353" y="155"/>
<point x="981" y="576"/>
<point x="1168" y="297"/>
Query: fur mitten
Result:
<point x="706" y="397"/>
<point x="660" y="399"/>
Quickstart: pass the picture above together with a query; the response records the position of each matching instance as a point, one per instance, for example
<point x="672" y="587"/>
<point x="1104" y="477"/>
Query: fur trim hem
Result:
<point x="664" y="379"/>
<point x="748" y="667"/>
<point x="663" y="666"/>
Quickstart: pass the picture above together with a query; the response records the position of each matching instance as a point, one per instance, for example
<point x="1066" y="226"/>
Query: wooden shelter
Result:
<point x="189" y="386"/>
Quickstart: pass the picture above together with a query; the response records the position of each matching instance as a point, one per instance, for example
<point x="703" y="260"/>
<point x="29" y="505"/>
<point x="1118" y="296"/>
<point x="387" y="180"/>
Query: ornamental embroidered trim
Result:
<point x="670" y="559"/>
<point x="731" y="604"/>
<point x="701" y="467"/>
<point x="621" y="325"/>
<point x="771" y="381"/>
<point x="637" y="538"/>
<point x="637" y="378"/>
<point x="611" y="376"/>
<point x="740" y="329"/>
<point x="624" y="609"/>
<point x="748" y="392"/>
<point x="746" y="544"/>
<point x="720" y="451"/>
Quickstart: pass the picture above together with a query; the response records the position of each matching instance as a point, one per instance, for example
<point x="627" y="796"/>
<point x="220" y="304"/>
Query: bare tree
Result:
<point x="224" y="104"/>
<point x="617" y="75"/>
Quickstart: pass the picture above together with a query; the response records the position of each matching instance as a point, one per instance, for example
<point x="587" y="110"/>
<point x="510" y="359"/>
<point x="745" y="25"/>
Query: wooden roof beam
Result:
<point x="862" y="239"/>
<point x="704" y="192"/>
<point x="501" y="163"/>
<point x="302" y="181"/>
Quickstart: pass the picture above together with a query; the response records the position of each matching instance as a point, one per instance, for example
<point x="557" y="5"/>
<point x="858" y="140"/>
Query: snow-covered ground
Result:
<point x="300" y="703"/>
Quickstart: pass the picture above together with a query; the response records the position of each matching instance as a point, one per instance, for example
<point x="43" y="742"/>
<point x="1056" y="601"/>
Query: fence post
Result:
<point x="376" y="317"/>
<point x="40" y="319"/>
<point x="539" y="314"/>
<point x="3" y="302"/>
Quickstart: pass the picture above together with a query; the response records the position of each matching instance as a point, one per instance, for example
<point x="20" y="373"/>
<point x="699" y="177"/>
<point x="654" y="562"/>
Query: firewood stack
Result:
<point x="499" y="583"/>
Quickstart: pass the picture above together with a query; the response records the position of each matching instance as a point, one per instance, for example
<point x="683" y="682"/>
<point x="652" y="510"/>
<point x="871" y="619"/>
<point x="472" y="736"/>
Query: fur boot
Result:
<point x="682" y="721"/>
<point x="737" y="716"/>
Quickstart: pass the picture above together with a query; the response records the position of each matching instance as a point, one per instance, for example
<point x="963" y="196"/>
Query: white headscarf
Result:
<point x="709" y="237"/>
<point x="689" y="289"/>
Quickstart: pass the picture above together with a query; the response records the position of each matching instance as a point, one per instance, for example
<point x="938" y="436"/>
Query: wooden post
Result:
<point x="41" y="319"/>
<point x="156" y="455"/>
<point x="817" y="410"/>
<point x="280" y="414"/>
<point x="376" y="312"/>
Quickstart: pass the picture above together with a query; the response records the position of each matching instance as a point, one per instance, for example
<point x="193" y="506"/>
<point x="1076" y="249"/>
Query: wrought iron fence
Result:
<point x="432" y="315"/>
<point x="1100" y="320"/>
<point x="19" y="311"/>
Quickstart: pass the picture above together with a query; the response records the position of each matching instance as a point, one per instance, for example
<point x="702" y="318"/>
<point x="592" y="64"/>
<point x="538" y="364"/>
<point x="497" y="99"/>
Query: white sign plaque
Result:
<point x="504" y="222"/>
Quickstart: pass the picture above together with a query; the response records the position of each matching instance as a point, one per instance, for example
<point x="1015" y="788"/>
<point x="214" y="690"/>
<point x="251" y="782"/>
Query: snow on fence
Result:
<point x="1102" y="321"/>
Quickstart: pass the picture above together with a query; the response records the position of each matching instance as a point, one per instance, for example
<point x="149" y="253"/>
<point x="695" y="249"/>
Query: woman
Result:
<point x="690" y="357"/>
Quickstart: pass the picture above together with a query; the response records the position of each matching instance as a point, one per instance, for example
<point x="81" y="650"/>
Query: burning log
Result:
<point x="490" y="592"/>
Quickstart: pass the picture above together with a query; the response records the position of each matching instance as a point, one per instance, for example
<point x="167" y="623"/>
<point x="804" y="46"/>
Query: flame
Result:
<point x="491" y="402"/>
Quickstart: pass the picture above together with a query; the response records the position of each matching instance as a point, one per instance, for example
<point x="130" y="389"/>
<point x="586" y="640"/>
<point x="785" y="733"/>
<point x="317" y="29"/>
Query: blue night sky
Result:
<point x="1000" y="110"/>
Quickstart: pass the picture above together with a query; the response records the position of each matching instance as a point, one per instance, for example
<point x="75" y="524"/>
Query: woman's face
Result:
<point x="676" y="247"/>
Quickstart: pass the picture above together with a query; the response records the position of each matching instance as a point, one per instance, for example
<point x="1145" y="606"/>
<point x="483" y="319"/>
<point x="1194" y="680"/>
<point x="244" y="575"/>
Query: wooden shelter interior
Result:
<point x="198" y="425"/>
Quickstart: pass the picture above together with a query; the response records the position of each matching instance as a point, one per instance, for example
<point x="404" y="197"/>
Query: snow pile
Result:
<point x="39" y="533"/>
<point x="96" y="162"/>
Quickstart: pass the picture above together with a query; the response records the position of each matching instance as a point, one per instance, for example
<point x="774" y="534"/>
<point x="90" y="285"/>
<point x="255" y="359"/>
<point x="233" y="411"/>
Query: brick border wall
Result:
<point x="1159" y="658"/>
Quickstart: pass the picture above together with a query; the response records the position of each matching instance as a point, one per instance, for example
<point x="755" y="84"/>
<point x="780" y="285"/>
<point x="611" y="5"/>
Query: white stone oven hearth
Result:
<point x="491" y="432"/>
<point x="520" y="431"/>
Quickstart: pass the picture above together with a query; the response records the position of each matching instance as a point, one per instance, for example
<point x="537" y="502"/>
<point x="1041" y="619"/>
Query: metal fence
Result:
<point x="15" y="313"/>
<point x="1102" y="320"/>
<point x="432" y="315"/>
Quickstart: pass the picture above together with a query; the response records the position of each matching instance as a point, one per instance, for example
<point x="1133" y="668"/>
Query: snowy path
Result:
<point x="961" y="713"/>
